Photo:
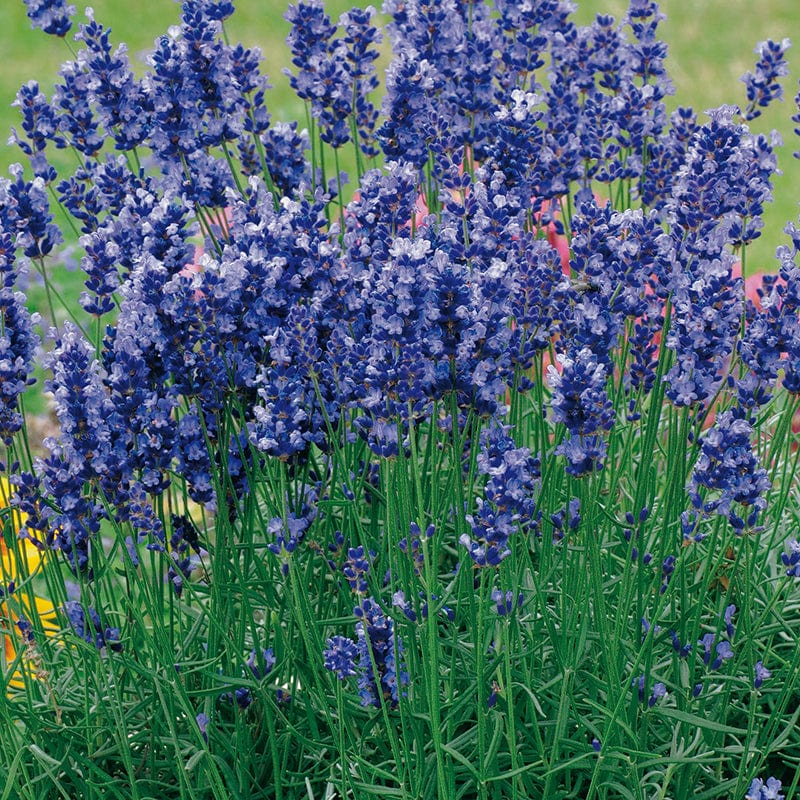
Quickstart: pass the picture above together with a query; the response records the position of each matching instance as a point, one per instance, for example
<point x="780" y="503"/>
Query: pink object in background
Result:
<point x="752" y="283"/>
<point x="557" y="240"/>
<point x="221" y="218"/>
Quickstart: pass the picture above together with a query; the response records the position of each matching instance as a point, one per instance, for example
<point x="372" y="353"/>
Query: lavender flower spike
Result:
<point x="762" y="85"/>
<point x="52" y="16"/>
<point x="380" y="652"/>
<point x="340" y="656"/>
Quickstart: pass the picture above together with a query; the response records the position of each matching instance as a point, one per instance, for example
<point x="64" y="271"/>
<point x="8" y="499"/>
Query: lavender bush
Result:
<point x="468" y="476"/>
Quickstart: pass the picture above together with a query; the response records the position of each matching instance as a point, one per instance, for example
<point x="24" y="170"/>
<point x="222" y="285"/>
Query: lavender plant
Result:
<point x="468" y="476"/>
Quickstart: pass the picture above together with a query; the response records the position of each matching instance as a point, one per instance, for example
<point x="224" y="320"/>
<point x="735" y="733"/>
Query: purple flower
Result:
<point x="88" y="449"/>
<point x="724" y="652"/>
<point x="411" y="545"/>
<point x="261" y="667"/>
<point x="203" y="93"/>
<point x="184" y="536"/>
<point x="506" y="602"/>
<point x="52" y="16"/>
<point x="568" y="517"/>
<point x="407" y="108"/>
<point x="340" y="656"/>
<point x="360" y="40"/>
<point x="122" y="106"/>
<point x="727" y="173"/>
<point x="659" y="692"/>
<point x="78" y="123"/>
<point x="728" y="470"/>
<point x="285" y="153"/>
<point x="535" y="298"/>
<point x="763" y="84"/>
<point x="90" y="628"/>
<point x="666" y="155"/>
<point x="356" y="568"/>
<point x="707" y="642"/>
<point x="491" y="700"/>
<point x="282" y="418"/>
<point x="581" y="403"/>
<point x="764" y="791"/>
<point x="791" y="558"/>
<point x="509" y="504"/>
<point x="761" y="674"/>
<point x="287" y="532"/>
<point x="381" y="675"/>
<point x="217" y="9"/>
<point x="202" y="724"/>
<point x="706" y="317"/>
<point x="242" y="696"/>
<point x="524" y="28"/>
<point x="682" y="650"/>
<point x="399" y="601"/>
<point x="728" y="620"/>
<point x="667" y="568"/>
<point x="26" y="630"/>
<point x="84" y="410"/>
<point x="439" y="91"/>
<point x="25" y="213"/>
<point x="18" y="345"/>
<point x="327" y="68"/>
<point x="646" y="628"/>
<point x="40" y="125"/>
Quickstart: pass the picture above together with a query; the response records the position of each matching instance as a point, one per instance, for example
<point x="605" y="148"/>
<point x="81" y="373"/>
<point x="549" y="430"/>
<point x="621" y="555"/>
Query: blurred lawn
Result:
<point x="711" y="44"/>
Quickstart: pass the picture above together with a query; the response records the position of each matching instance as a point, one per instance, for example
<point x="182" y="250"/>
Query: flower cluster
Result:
<point x="336" y="75"/>
<point x="87" y="625"/>
<point x="52" y="16"/>
<point x="380" y="651"/>
<point x="763" y="84"/>
<point x="340" y="657"/>
<point x="729" y="469"/>
<point x="581" y="403"/>
<point x="509" y="505"/>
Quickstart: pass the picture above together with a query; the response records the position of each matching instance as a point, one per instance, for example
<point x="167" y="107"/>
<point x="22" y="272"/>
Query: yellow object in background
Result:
<point x="18" y="565"/>
<point x="29" y="550"/>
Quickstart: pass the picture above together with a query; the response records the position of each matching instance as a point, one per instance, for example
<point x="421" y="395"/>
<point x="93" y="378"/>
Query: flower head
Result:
<point x="659" y="692"/>
<point x="791" y="558"/>
<point x="505" y="602"/>
<point x="763" y="85"/>
<point x="724" y="651"/>
<point x="509" y="504"/>
<point x="340" y="656"/>
<point x="52" y="16"/>
<point x="380" y="671"/>
<point x="202" y="725"/>
<point x="581" y="403"/>
<point x="761" y="674"/>
<point x="87" y="625"/>
<point x="728" y="470"/>
<point x="764" y="791"/>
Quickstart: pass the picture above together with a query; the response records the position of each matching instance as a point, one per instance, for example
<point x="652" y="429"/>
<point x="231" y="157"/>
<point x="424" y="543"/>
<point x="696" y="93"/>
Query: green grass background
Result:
<point x="711" y="44"/>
